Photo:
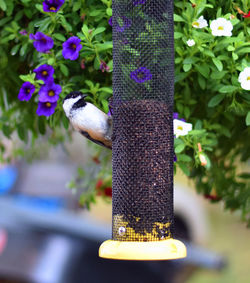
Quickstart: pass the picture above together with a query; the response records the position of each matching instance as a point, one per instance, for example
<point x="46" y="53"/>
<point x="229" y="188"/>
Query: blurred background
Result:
<point x="46" y="237"/>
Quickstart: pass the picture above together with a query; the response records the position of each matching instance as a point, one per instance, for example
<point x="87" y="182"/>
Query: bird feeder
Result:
<point x="142" y="146"/>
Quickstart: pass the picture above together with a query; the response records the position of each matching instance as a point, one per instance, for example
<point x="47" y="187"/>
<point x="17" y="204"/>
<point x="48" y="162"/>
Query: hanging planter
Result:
<point x="142" y="147"/>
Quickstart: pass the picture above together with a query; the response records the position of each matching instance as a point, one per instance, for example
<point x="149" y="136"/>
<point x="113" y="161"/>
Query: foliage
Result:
<point x="208" y="94"/>
<point x="87" y="20"/>
<point x="207" y="91"/>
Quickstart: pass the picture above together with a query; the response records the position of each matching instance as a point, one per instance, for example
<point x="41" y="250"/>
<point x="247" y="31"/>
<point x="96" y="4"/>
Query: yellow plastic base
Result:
<point x="162" y="250"/>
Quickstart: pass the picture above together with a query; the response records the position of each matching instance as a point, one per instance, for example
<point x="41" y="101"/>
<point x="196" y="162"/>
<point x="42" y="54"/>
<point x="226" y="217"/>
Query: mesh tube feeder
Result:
<point x="142" y="147"/>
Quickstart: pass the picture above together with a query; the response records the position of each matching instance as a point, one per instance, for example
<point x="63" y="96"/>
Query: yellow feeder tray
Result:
<point x="158" y="250"/>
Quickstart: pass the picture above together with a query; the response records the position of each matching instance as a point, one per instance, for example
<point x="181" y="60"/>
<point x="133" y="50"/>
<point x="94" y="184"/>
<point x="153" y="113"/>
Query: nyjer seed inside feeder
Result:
<point x="142" y="142"/>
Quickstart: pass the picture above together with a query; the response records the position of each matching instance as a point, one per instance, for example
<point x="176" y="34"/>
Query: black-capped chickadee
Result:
<point x="87" y="119"/>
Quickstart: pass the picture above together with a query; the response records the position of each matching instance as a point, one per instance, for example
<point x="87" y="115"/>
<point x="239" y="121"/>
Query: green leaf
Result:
<point x="106" y="89"/>
<point x="105" y="105"/>
<point x="235" y="56"/>
<point x="22" y="133"/>
<point x="218" y="14"/>
<point x="23" y="49"/>
<point x="179" y="148"/>
<point x="178" y="18"/>
<point x="85" y="30"/>
<point x="43" y="24"/>
<point x="3" y="5"/>
<point x="109" y="12"/>
<point x="76" y="6"/>
<point x="203" y="69"/>
<point x="248" y="119"/>
<point x="59" y="36"/>
<point x="89" y="84"/>
<point x="216" y="75"/>
<point x="224" y="131"/>
<point x="4" y="20"/>
<point x="190" y="60"/>
<point x="11" y="36"/>
<point x="187" y="67"/>
<point x="66" y="25"/>
<point x="28" y="78"/>
<point x="184" y="158"/>
<point x="245" y="50"/>
<point x="180" y="76"/>
<point x="208" y="53"/>
<point x="15" y="49"/>
<point x="203" y="36"/>
<point x="7" y="130"/>
<point x="186" y="112"/>
<point x="178" y="35"/>
<point x="178" y="141"/>
<point x="196" y="132"/>
<point x="201" y="81"/>
<point x="65" y="122"/>
<point x="98" y="30"/>
<point x="104" y="46"/>
<point x="244" y="176"/>
<point x="228" y="89"/>
<point x="64" y="69"/>
<point x="39" y="7"/>
<point x="218" y="64"/>
<point x="230" y="48"/>
<point x="51" y="61"/>
<point x="216" y="100"/>
<point x="184" y="168"/>
<point x="96" y="63"/>
<point x="198" y="125"/>
<point x="95" y="13"/>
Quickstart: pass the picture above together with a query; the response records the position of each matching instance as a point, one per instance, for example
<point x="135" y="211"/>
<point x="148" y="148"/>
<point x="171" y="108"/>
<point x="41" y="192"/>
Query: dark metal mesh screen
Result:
<point x="143" y="85"/>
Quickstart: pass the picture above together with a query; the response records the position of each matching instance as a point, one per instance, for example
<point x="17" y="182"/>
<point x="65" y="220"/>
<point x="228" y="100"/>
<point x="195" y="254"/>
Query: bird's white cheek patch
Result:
<point x="68" y="104"/>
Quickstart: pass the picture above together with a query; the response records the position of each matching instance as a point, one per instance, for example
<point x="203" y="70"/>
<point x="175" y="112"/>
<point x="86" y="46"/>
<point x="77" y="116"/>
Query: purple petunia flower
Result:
<point x="46" y="108"/>
<point x="141" y="75"/>
<point x="176" y="116"/>
<point x="110" y="21"/>
<point x="123" y="23"/>
<point x="42" y="42"/>
<point x="175" y="158"/>
<point x="52" y="5"/>
<point x="44" y="72"/>
<point x="23" y="32"/>
<point x="49" y="92"/>
<point x="110" y="113"/>
<point x="138" y="2"/>
<point x="71" y="48"/>
<point x="26" y="91"/>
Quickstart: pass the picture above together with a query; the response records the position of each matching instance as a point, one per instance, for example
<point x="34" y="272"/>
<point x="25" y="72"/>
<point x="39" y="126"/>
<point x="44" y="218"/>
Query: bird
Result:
<point x="87" y="119"/>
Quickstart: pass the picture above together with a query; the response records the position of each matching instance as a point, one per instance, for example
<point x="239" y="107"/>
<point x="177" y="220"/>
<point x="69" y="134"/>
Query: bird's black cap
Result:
<point x="74" y="94"/>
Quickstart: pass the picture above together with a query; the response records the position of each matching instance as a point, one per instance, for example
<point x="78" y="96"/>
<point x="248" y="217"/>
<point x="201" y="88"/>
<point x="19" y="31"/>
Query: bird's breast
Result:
<point x="91" y="120"/>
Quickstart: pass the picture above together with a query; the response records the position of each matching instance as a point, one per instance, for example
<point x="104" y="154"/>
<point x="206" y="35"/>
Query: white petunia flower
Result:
<point x="200" y="23"/>
<point x="221" y="27"/>
<point x="190" y="42"/>
<point x="181" y="128"/>
<point x="244" y="78"/>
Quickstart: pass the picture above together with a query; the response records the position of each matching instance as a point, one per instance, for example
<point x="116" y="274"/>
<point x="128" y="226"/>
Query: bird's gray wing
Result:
<point x="86" y="135"/>
<point x="109" y="132"/>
